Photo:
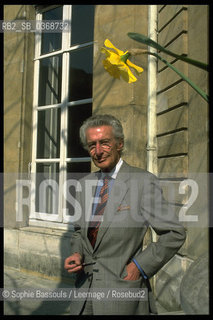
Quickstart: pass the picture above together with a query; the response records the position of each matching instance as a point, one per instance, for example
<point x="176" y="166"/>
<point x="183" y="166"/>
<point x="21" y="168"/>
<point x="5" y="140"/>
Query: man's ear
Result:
<point x="120" y="145"/>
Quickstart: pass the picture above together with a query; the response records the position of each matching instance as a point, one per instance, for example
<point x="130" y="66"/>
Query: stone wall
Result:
<point x="38" y="250"/>
<point x="126" y="101"/>
<point x="18" y="97"/>
<point x="182" y="136"/>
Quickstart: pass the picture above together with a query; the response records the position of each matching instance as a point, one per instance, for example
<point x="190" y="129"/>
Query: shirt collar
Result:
<point x="115" y="170"/>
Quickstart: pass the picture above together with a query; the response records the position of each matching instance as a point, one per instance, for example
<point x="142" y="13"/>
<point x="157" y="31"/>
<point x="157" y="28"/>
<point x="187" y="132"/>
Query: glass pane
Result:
<point x="75" y="172"/>
<point x="76" y="116"/>
<point x="50" y="81"/>
<point x="47" y="187"/>
<point x="81" y="68"/>
<point x="80" y="168"/>
<point x="51" y="41"/>
<point x="48" y="133"/>
<point x="82" y="24"/>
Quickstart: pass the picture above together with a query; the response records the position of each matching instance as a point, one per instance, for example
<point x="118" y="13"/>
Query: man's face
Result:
<point x="103" y="148"/>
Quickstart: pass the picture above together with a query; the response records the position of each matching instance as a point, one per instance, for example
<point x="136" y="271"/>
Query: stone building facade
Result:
<point x="52" y="82"/>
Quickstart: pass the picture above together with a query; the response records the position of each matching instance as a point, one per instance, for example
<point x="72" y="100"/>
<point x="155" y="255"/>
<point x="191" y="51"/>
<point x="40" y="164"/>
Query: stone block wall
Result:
<point x="126" y="101"/>
<point x="182" y="136"/>
<point x="18" y="97"/>
<point x="182" y="115"/>
<point x="38" y="250"/>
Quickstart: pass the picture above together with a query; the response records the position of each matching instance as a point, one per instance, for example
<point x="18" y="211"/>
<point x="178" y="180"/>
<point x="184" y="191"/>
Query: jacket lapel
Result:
<point x="88" y="206"/>
<point x="118" y="193"/>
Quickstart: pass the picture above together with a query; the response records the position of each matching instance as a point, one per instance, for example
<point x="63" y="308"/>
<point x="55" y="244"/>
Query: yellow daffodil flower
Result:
<point x="118" y="64"/>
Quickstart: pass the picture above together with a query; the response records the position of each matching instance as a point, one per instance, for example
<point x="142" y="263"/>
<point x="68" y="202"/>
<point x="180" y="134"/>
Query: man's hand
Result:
<point x="132" y="272"/>
<point x="73" y="263"/>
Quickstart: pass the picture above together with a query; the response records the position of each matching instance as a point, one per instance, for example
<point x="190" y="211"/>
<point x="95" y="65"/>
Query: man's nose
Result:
<point x="98" y="149"/>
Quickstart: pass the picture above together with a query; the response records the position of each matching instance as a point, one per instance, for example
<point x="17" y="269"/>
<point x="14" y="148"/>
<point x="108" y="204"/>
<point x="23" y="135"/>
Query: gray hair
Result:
<point x="101" y="120"/>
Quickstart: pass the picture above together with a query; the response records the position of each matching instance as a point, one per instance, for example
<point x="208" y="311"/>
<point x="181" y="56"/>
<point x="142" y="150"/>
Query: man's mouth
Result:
<point x="100" y="160"/>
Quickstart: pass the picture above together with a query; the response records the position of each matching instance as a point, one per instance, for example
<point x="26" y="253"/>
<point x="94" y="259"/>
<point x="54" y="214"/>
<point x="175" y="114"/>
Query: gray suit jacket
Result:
<point x="135" y="203"/>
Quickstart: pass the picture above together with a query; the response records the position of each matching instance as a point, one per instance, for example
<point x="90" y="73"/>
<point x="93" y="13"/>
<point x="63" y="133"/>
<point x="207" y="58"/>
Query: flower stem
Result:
<point x="124" y="57"/>
<point x="149" y="42"/>
<point x="134" y="52"/>
<point x="194" y="86"/>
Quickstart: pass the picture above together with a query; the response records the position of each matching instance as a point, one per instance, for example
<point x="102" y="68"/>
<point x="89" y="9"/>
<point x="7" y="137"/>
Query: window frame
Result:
<point x="60" y="220"/>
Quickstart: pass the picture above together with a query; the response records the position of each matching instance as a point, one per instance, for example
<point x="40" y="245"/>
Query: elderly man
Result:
<point x="107" y="244"/>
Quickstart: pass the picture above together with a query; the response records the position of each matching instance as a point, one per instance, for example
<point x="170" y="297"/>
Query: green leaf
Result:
<point x="194" y="86"/>
<point x="149" y="42"/>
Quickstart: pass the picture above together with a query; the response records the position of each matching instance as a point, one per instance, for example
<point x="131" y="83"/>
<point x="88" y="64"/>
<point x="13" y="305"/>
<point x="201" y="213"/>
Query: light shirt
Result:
<point x="114" y="172"/>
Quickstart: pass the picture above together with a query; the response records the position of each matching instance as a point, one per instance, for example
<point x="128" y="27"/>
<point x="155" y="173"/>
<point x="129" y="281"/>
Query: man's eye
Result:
<point x="106" y="142"/>
<point x="90" y="146"/>
<point x="106" y="145"/>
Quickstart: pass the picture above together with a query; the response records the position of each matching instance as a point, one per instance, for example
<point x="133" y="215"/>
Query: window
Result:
<point x="62" y="101"/>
